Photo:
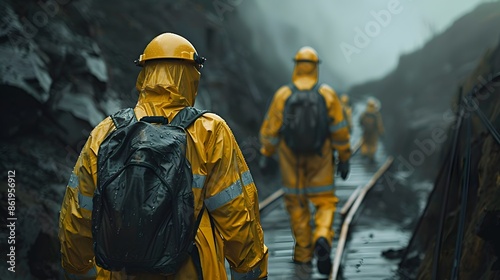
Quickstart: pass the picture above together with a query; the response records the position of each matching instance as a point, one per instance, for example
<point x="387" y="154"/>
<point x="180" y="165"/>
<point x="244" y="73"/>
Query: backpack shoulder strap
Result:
<point x="123" y="117"/>
<point x="193" y="250"/>
<point x="316" y="87"/>
<point x="292" y="87"/>
<point x="187" y="116"/>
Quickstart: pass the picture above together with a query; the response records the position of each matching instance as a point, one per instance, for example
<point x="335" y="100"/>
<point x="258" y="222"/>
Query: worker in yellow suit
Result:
<point x="222" y="184"/>
<point x="346" y="106"/>
<point x="308" y="177"/>
<point x="371" y="123"/>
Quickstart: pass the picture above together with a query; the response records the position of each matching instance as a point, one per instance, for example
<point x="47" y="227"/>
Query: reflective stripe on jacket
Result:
<point x="222" y="182"/>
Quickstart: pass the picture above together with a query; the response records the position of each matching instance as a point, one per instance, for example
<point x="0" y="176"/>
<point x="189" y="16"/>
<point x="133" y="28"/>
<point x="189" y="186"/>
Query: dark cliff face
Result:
<point x="480" y="246"/>
<point x="52" y="78"/>
<point x="419" y="105"/>
<point x="423" y="87"/>
<point x="481" y="222"/>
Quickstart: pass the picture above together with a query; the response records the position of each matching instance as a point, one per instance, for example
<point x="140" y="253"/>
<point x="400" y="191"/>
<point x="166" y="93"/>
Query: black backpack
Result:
<point x="305" y="121"/>
<point x="143" y="215"/>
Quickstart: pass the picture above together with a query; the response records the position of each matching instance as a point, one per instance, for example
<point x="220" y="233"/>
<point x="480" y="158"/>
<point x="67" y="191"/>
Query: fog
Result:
<point x="390" y="28"/>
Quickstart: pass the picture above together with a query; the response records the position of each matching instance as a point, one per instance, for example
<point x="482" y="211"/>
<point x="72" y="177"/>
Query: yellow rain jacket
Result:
<point x="221" y="177"/>
<point x="371" y="122"/>
<point x="307" y="178"/>
<point x="344" y="100"/>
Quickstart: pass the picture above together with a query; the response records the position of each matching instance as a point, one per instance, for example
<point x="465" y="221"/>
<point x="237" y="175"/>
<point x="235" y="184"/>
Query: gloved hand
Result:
<point x="264" y="164"/>
<point x="343" y="169"/>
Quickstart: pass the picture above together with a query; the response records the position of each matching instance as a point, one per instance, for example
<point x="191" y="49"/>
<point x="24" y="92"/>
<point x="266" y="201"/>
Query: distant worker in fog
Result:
<point x="162" y="191"/>
<point x="305" y="124"/>
<point x="346" y="106"/>
<point x="371" y="123"/>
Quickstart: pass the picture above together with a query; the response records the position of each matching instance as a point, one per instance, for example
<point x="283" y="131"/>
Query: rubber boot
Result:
<point x="322" y="253"/>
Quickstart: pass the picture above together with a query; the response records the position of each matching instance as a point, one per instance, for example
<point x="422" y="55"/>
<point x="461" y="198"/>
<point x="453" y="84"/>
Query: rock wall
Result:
<point x="423" y="92"/>
<point x="422" y="88"/>
<point x="480" y="247"/>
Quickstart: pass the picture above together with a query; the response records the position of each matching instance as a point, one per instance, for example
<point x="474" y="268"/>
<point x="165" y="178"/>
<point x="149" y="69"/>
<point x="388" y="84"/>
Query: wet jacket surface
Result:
<point x="221" y="181"/>
<point x="371" y="123"/>
<point x="320" y="166"/>
<point x="348" y="115"/>
<point x="307" y="177"/>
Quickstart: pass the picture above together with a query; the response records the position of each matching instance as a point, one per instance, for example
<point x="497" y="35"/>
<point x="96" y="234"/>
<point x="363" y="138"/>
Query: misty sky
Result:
<point x="333" y="26"/>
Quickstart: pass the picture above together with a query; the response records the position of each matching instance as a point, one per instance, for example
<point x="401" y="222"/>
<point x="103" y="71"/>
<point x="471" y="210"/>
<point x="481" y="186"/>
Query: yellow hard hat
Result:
<point x="306" y="54"/>
<point x="373" y="104"/>
<point x="344" y="98"/>
<point x="170" y="46"/>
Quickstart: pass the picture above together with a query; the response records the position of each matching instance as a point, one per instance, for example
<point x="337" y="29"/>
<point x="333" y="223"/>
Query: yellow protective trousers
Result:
<point x="308" y="180"/>
<point x="370" y="144"/>
<point x="300" y="220"/>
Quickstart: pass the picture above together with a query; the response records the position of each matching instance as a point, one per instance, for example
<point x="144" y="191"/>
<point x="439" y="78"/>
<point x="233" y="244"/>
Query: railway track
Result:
<point x="356" y="253"/>
<point x="357" y="246"/>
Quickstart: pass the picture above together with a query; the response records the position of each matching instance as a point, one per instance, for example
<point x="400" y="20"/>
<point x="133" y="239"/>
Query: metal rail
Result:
<point x="356" y="146"/>
<point x="350" y="201"/>
<point x="270" y="199"/>
<point x="354" y="208"/>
